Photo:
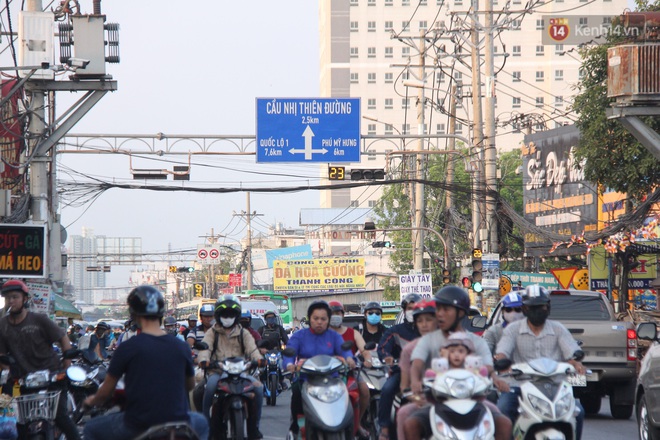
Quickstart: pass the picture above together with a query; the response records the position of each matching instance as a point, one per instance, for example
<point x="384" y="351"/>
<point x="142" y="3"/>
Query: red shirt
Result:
<point x="349" y="335"/>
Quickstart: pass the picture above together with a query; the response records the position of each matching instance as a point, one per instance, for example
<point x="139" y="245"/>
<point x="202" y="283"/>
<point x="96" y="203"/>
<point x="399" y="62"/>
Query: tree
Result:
<point x="613" y="156"/>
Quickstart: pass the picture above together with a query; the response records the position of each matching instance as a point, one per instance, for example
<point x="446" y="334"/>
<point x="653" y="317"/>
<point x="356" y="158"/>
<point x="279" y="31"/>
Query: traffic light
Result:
<point x="477" y="266"/>
<point x="172" y="269"/>
<point x="445" y="277"/>
<point x="199" y="289"/>
<point x="185" y="269"/>
<point x="381" y="244"/>
<point x="368" y="174"/>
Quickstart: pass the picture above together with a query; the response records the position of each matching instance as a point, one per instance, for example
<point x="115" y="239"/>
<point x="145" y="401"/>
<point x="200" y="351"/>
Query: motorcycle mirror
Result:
<point x="348" y="345"/>
<point x="502" y="364"/>
<point x="76" y="373"/>
<point x="289" y="352"/>
<point x="71" y="353"/>
<point x="370" y="346"/>
<point x="578" y="355"/>
<point x="200" y="345"/>
<point x="647" y="331"/>
<point x="479" y="322"/>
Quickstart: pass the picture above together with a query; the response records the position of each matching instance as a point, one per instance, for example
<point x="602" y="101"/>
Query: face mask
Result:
<point x="373" y="319"/>
<point x="227" y="322"/>
<point x="409" y="316"/>
<point x="510" y="317"/>
<point x="271" y="321"/>
<point x="171" y="330"/>
<point x="537" y="315"/>
<point x="336" y="320"/>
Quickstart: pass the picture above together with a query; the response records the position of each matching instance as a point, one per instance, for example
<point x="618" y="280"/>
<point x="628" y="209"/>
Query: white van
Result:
<point x="259" y="308"/>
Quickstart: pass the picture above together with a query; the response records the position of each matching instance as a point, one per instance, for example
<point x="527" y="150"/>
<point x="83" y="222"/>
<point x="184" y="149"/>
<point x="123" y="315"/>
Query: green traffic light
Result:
<point x="477" y="287"/>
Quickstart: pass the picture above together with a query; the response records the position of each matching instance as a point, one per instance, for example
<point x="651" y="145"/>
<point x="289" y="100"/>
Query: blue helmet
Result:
<point x="246" y="314"/>
<point x="512" y="299"/>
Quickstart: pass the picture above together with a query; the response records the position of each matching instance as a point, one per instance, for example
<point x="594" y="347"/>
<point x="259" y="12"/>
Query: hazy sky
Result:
<point x="196" y="68"/>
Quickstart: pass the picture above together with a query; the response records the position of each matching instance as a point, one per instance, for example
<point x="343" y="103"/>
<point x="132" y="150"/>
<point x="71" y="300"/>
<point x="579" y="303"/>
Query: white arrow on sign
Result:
<point x="308" y="135"/>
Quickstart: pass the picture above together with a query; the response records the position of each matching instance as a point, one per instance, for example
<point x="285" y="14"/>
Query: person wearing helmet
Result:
<point x="96" y="351"/>
<point x="74" y="333"/>
<point x="273" y="332"/>
<point x="171" y="327"/>
<point x="452" y="304"/>
<point x="29" y="337"/>
<point x="192" y="323"/>
<point x="228" y="338"/>
<point x="536" y="336"/>
<point x="206" y="314"/>
<point x="246" y="323"/>
<point x="156" y="367"/>
<point x="308" y="342"/>
<point x="373" y="329"/>
<point x="389" y="350"/>
<point x="511" y="312"/>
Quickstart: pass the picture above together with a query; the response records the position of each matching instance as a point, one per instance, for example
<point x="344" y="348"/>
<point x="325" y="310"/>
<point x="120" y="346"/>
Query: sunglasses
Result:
<point x="511" y="309"/>
<point x="374" y="312"/>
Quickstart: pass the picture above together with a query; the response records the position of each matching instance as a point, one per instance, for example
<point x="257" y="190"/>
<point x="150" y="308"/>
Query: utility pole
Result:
<point x="490" y="152"/>
<point x="248" y="218"/>
<point x="477" y="129"/>
<point x="418" y="261"/>
<point x="451" y="145"/>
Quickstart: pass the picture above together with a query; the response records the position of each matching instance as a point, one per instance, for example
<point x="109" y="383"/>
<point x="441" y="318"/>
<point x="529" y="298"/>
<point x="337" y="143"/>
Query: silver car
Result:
<point x="647" y="394"/>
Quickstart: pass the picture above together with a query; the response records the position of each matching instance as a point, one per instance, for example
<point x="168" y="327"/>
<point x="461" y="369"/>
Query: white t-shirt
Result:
<point x="430" y="344"/>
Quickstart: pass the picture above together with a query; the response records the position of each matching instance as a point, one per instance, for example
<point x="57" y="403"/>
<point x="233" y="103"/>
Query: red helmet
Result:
<point x="336" y="306"/>
<point x="13" y="285"/>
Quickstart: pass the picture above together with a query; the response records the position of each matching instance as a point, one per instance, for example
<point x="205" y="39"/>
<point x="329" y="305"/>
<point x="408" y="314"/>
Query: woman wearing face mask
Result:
<point x="373" y="329"/>
<point x="511" y="312"/>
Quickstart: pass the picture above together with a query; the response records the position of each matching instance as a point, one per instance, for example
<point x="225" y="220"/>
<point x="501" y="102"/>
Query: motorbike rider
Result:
<point x="317" y="339"/>
<point x="373" y="329"/>
<point x="511" y="312"/>
<point x="171" y="327"/>
<point x="192" y="323"/>
<point x="246" y="323"/>
<point x="452" y="304"/>
<point x="273" y="332"/>
<point x="389" y="350"/>
<point x="229" y="339"/>
<point x="206" y="313"/>
<point x="534" y="337"/>
<point x="349" y="334"/>
<point x="156" y="368"/>
<point x="28" y="337"/>
<point x="74" y="333"/>
<point x="98" y="342"/>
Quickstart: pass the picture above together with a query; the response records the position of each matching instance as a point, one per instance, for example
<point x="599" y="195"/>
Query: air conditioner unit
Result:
<point x="632" y="73"/>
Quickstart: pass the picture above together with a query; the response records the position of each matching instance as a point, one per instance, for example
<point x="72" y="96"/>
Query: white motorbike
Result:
<point x="457" y="411"/>
<point x="547" y="406"/>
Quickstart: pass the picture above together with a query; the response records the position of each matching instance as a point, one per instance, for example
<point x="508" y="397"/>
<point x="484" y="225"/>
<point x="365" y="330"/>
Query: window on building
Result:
<point x="389" y="25"/>
<point x="540" y="24"/>
<point x="423" y="25"/>
<point x="371" y="52"/>
<point x="459" y="128"/>
<point x="516" y="76"/>
<point x="515" y="25"/>
<point x="389" y="78"/>
<point x="539" y="101"/>
<point x="540" y="76"/>
<point x="559" y="75"/>
<point x="539" y="126"/>
<point x="389" y="2"/>
<point x="405" y="103"/>
<point x="517" y="2"/>
<point x="389" y="129"/>
<point x="355" y="26"/>
<point x="371" y="2"/>
<point x="516" y="102"/>
<point x="559" y="101"/>
<point x="371" y="78"/>
<point x="355" y="78"/>
<point x="516" y="51"/>
<point x="405" y="75"/>
<point x="559" y="49"/>
<point x="389" y="52"/>
<point x="423" y="2"/>
<point x="389" y="103"/>
<point x="516" y="127"/>
<point x="540" y="50"/>
<point x="405" y="2"/>
<point x="354" y="2"/>
<point x="441" y="77"/>
<point x="371" y="26"/>
<point x="371" y="155"/>
<point x="371" y="129"/>
<point x="405" y="129"/>
<point x="372" y="203"/>
<point x="355" y="203"/>
<point x="371" y="103"/>
<point x="458" y="76"/>
<point x="405" y="51"/>
<point x="404" y="25"/>
<point x="354" y="52"/>
<point x="458" y="3"/>
<point x="440" y="129"/>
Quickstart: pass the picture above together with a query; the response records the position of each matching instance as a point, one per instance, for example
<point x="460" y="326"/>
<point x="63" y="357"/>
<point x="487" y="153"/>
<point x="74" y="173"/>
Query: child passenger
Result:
<point x="457" y="352"/>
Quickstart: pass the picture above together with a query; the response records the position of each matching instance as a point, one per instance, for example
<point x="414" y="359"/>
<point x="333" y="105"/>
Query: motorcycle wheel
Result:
<point x="372" y="416"/>
<point x="272" y="388"/>
<point x="236" y="427"/>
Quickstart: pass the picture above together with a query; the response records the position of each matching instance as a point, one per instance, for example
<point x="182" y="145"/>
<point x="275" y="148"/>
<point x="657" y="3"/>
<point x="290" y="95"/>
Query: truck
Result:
<point x="609" y="345"/>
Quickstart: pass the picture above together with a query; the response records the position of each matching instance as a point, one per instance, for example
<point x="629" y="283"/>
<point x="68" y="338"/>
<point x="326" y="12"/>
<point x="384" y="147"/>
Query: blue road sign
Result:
<point x="308" y="130"/>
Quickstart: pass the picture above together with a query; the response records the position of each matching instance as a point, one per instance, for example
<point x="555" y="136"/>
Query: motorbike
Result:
<point x="547" y="406"/>
<point x="457" y="409"/>
<point x="234" y="393"/>
<point x="272" y="375"/>
<point x="327" y="410"/>
<point x="169" y="431"/>
<point x="375" y="377"/>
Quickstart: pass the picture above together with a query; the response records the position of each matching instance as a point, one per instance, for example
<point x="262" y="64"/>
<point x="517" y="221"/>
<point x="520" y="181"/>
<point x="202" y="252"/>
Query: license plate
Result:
<point x="577" y="380"/>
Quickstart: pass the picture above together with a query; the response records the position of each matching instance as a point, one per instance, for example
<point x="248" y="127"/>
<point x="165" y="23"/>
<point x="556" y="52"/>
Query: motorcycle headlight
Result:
<point x="272" y="358"/>
<point x="376" y="363"/>
<point x="460" y="388"/>
<point x="443" y="430"/>
<point x="540" y="406"/>
<point x="234" y="367"/>
<point x="563" y="405"/>
<point x="486" y="429"/>
<point x="326" y="394"/>
<point x="37" y="379"/>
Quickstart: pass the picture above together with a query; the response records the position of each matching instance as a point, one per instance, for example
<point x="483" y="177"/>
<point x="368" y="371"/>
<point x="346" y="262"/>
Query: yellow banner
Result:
<point x="327" y="274"/>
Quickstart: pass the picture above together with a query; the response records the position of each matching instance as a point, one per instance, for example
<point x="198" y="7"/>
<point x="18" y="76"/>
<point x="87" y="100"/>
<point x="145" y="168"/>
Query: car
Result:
<point x="647" y="391"/>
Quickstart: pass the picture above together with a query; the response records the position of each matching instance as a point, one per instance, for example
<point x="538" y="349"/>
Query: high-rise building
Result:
<point x="82" y="253"/>
<point x="370" y="48"/>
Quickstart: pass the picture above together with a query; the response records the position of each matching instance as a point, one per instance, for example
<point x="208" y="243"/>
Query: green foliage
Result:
<point x="613" y="156"/>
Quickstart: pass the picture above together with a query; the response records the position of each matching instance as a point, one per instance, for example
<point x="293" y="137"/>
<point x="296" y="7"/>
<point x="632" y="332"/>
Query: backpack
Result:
<point x="216" y="335"/>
